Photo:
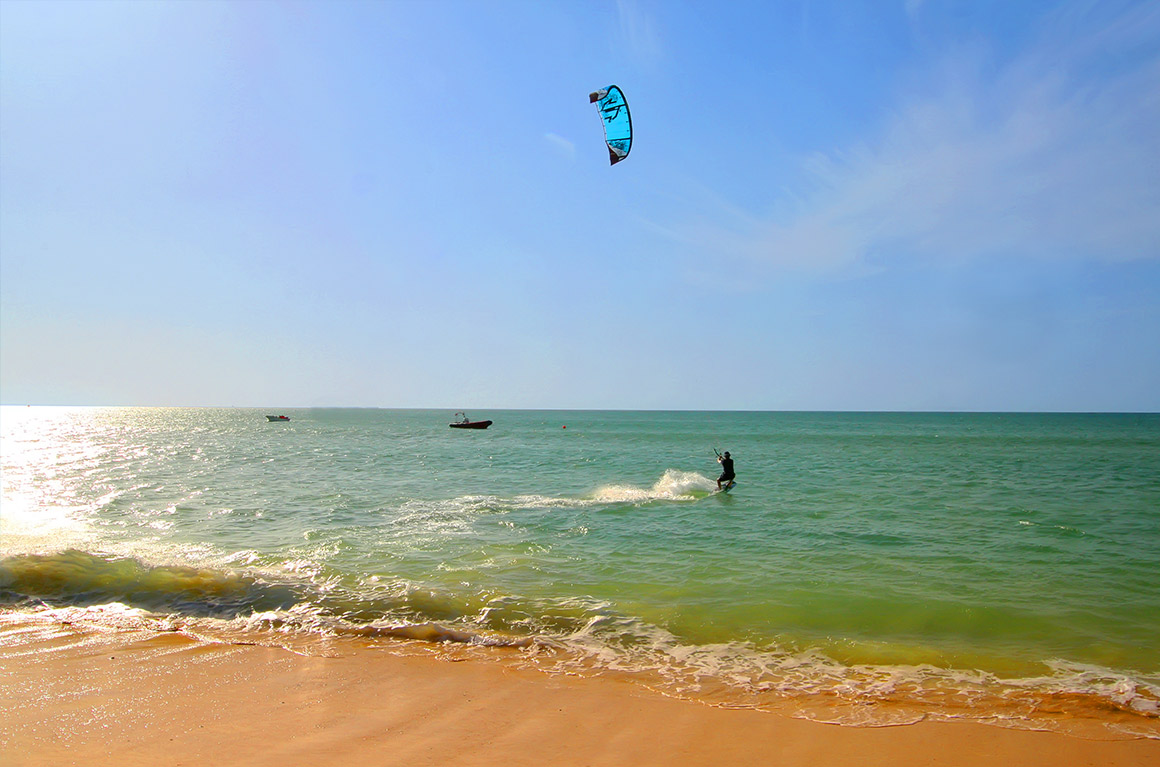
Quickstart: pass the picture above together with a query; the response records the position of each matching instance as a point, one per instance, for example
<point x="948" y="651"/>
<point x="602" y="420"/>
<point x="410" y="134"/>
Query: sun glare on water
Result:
<point x="42" y="506"/>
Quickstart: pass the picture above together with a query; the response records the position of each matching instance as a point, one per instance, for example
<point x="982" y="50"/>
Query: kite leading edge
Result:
<point x="617" y="121"/>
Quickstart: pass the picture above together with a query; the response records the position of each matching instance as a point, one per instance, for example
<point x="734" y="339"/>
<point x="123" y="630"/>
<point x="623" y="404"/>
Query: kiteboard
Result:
<point x="727" y="487"/>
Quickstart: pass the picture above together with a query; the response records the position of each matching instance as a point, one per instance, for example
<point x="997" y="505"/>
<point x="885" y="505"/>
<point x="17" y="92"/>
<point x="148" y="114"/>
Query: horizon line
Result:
<point x="883" y="411"/>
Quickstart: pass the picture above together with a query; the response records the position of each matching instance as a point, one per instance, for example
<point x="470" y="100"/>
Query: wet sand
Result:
<point x="170" y="700"/>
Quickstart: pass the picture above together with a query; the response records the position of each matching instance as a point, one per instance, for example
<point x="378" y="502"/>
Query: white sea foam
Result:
<point x="813" y="685"/>
<point x="674" y="485"/>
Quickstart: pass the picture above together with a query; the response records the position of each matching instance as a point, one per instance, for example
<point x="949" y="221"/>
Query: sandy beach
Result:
<point x="89" y="698"/>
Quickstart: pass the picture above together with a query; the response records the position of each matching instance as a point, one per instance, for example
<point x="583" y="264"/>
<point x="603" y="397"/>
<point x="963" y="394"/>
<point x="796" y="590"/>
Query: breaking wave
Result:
<point x="572" y="635"/>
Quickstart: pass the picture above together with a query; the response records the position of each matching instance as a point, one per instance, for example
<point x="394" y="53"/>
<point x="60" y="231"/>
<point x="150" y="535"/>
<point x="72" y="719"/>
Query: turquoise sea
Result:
<point x="870" y="569"/>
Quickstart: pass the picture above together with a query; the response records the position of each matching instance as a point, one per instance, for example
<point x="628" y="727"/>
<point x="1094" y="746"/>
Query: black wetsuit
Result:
<point x="726" y="470"/>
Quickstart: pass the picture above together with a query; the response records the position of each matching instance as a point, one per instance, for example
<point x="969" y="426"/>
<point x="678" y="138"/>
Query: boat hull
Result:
<point x="470" y="425"/>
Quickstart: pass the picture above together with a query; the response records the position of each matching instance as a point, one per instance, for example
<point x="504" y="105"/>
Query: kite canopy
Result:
<point x="617" y="122"/>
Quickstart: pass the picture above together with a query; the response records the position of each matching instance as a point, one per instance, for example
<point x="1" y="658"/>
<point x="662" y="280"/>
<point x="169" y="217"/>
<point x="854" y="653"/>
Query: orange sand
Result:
<point x="168" y="700"/>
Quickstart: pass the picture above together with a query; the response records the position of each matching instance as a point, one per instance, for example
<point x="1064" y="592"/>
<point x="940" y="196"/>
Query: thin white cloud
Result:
<point x="913" y="7"/>
<point x="1055" y="155"/>
<point x="638" y="32"/>
<point x="561" y="144"/>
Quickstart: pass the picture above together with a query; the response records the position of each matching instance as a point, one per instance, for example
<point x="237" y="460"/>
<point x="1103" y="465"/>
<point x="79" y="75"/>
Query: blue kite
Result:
<point x="617" y="122"/>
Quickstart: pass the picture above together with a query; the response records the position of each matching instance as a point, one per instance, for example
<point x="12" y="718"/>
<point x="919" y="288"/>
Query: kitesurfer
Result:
<point x="726" y="469"/>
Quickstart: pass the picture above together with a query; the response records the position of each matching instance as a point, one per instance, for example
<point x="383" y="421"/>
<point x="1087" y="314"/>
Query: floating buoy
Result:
<point x="563" y="427"/>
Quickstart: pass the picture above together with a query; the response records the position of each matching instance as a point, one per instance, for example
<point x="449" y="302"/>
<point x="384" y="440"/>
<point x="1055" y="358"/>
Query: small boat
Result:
<point x="463" y="422"/>
<point x="277" y="418"/>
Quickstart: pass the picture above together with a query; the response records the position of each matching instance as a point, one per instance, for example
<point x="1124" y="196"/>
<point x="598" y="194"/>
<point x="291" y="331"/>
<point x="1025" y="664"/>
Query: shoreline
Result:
<point x="82" y="696"/>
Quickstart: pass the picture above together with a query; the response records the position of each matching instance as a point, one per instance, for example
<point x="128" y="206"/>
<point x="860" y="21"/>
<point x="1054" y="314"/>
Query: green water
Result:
<point x="870" y="556"/>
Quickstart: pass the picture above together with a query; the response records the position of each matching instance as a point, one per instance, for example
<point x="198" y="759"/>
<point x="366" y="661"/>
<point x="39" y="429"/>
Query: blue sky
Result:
<point x="911" y="205"/>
